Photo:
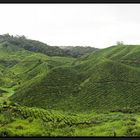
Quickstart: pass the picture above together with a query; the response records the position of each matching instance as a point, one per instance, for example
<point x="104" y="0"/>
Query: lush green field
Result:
<point x="56" y="94"/>
<point x="18" y="120"/>
<point x="104" y="80"/>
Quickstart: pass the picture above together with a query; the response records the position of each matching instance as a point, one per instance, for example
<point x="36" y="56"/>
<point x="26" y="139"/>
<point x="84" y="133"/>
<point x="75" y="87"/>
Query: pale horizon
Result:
<point x="95" y="25"/>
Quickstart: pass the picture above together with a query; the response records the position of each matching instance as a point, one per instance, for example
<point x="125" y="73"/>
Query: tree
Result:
<point x="120" y="43"/>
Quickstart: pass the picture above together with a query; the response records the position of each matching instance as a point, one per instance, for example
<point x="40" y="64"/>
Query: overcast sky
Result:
<point x="97" y="25"/>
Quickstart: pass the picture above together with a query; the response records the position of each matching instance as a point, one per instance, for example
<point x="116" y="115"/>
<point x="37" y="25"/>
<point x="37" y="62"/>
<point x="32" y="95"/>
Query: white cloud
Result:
<point x="99" y="25"/>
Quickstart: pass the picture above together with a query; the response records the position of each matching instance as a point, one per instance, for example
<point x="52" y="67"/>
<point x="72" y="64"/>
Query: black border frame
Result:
<point x="71" y="2"/>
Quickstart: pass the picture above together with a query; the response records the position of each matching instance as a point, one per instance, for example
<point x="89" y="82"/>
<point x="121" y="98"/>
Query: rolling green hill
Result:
<point x="96" y="94"/>
<point x="104" y="80"/>
<point x="37" y="46"/>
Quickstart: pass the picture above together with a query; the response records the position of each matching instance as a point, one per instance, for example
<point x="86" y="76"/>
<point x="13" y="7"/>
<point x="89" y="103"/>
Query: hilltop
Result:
<point x="107" y="79"/>
<point x="37" y="46"/>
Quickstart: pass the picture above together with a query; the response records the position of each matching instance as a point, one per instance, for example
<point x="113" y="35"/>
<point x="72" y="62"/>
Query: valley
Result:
<point x="58" y="91"/>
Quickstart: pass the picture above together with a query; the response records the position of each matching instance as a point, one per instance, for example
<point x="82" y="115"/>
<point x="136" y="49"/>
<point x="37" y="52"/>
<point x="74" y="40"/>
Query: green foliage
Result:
<point x="78" y="51"/>
<point x="37" y="46"/>
<point x="102" y="81"/>
<point x="39" y="122"/>
<point x="94" y="95"/>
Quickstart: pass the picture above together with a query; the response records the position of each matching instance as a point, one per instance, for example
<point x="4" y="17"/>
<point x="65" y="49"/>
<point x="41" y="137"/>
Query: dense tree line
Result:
<point x="37" y="46"/>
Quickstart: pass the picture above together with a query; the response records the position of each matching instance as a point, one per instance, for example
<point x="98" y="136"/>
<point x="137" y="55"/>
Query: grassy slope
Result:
<point x="21" y="69"/>
<point x="26" y="121"/>
<point x="105" y="80"/>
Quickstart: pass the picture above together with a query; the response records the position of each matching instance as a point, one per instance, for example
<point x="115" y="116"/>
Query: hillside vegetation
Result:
<point x="22" y="121"/>
<point x="64" y="91"/>
<point x="105" y="80"/>
<point x="37" y="46"/>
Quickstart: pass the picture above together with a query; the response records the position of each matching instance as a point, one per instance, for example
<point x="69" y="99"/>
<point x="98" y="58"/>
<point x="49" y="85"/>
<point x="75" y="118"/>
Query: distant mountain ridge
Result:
<point x="37" y="46"/>
<point x="77" y="51"/>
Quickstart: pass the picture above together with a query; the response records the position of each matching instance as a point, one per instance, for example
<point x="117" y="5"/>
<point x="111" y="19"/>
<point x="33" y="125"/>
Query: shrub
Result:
<point x="19" y="127"/>
<point x="131" y="131"/>
<point x="133" y="119"/>
<point x="30" y="119"/>
<point x="131" y="123"/>
<point x="68" y="131"/>
<point x="5" y="132"/>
